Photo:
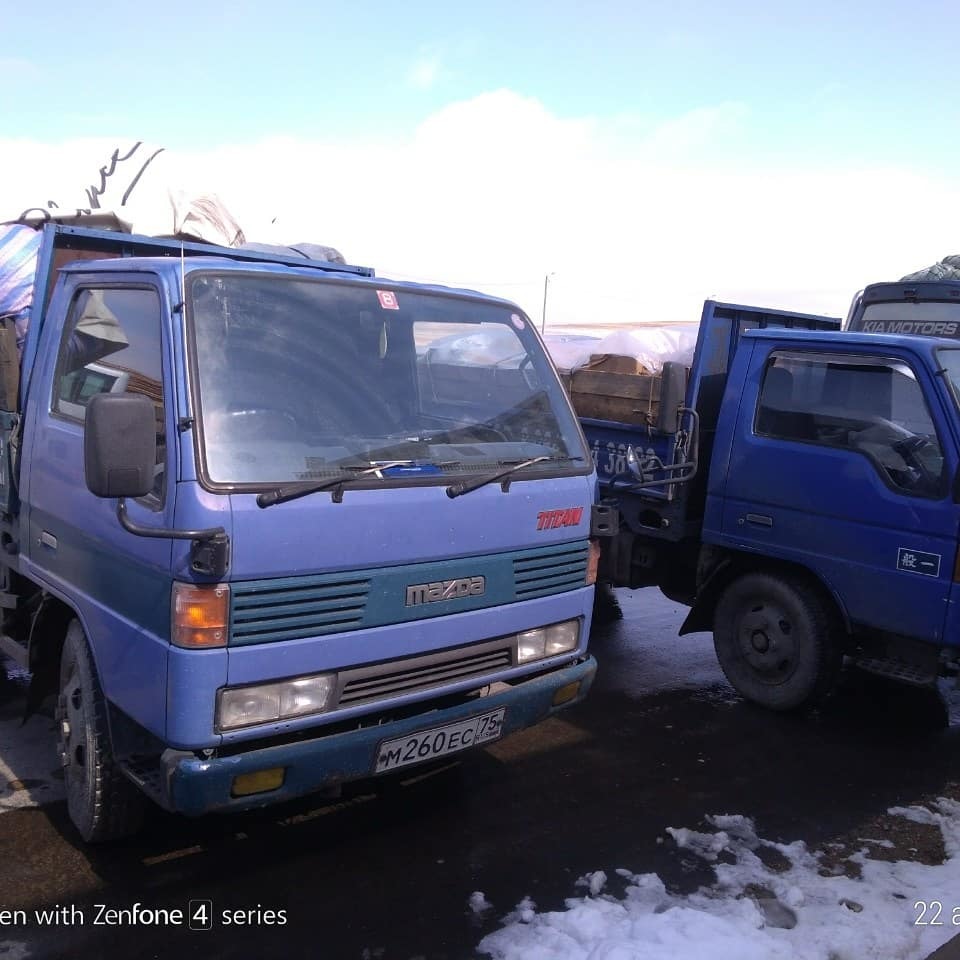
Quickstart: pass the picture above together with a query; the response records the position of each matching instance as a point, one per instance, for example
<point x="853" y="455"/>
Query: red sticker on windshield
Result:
<point x="388" y="300"/>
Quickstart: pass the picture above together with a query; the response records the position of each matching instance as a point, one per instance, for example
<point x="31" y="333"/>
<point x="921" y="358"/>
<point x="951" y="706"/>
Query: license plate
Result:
<point x="439" y="741"/>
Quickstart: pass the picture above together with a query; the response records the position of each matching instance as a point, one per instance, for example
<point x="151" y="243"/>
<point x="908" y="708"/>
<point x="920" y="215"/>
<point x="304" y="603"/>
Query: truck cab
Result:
<point x="800" y="492"/>
<point x="833" y="488"/>
<point x="263" y="538"/>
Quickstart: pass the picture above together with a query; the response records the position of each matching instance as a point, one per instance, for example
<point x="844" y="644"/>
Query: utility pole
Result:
<point x="543" y="318"/>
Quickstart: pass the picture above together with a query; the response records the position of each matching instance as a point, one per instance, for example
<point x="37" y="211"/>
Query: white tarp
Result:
<point x="649" y="344"/>
<point x="142" y="188"/>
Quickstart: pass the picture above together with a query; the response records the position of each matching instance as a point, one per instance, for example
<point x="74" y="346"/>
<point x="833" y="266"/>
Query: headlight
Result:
<point x="549" y="641"/>
<point x="245" y="706"/>
<point x="530" y="645"/>
<point x="561" y="638"/>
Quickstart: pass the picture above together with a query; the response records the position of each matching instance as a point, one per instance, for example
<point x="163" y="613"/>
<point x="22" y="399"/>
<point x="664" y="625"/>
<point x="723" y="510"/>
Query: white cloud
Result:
<point x="423" y="74"/>
<point x="497" y="191"/>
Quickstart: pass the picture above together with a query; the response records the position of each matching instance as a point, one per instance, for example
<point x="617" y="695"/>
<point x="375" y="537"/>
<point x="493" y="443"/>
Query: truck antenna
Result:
<point x="183" y="282"/>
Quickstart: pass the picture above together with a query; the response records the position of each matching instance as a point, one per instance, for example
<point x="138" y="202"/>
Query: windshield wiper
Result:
<point x="294" y="491"/>
<point x="468" y="486"/>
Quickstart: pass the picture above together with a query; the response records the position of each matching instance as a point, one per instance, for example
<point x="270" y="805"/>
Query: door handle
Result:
<point x="47" y="539"/>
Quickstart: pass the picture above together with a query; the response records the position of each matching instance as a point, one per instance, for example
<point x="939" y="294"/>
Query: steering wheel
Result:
<point x="911" y="450"/>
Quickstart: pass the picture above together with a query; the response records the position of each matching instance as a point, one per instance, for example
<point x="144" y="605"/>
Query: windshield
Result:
<point x="301" y="379"/>
<point x="928" y="318"/>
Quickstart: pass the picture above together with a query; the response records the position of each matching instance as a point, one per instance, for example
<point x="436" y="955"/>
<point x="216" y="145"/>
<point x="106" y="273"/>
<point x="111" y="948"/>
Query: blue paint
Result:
<point x="318" y="584"/>
<point x="866" y="508"/>
<point x="196" y="786"/>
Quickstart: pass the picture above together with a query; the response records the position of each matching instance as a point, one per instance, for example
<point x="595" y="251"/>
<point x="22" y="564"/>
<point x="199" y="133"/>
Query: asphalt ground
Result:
<point x="387" y="871"/>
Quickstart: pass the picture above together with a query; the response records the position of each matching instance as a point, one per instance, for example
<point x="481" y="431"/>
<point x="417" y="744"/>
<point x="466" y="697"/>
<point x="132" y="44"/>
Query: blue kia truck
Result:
<point x="264" y="535"/>
<point x="799" y="488"/>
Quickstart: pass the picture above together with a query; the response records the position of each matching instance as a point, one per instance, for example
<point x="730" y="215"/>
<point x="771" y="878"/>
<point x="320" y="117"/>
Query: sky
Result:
<point x="628" y="158"/>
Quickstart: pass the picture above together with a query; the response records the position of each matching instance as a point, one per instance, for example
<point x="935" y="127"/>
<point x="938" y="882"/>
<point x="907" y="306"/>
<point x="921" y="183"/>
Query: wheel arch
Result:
<point x="720" y="567"/>
<point x="48" y="631"/>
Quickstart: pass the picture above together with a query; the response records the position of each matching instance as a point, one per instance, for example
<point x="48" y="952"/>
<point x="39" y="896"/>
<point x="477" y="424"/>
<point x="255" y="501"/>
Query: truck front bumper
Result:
<point x="194" y="786"/>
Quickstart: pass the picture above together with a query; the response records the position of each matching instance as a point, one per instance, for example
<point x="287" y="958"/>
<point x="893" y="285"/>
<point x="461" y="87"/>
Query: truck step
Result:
<point x="920" y="674"/>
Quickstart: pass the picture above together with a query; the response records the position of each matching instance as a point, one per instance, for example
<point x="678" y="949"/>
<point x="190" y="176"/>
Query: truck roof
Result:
<point x="163" y="253"/>
<point x="308" y="269"/>
<point x="852" y="338"/>
<point x="911" y="290"/>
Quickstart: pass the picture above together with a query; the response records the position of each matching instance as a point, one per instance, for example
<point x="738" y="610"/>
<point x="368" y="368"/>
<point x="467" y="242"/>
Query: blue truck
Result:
<point x="798" y="486"/>
<point x="264" y="535"/>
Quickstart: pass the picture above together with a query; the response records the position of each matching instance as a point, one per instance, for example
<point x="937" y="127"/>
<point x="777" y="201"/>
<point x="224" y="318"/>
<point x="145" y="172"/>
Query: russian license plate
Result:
<point x="429" y="744"/>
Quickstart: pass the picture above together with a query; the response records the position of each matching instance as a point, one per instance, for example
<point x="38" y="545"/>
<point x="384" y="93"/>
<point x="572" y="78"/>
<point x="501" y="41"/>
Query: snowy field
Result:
<point x="864" y="897"/>
<point x="890" y="890"/>
<point x="770" y="901"/>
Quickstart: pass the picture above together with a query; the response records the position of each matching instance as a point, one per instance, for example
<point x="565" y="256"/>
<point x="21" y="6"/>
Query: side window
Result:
<point x="873" y="405"/>
<point x="112" y="344"/>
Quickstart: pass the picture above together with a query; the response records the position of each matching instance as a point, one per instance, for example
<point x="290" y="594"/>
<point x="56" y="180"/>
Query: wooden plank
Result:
<point x="626" y="385"/>
<point x="619" y="409"/>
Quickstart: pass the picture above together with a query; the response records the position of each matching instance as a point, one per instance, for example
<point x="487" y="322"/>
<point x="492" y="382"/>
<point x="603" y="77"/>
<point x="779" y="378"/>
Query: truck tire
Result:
<point x="103" y="804"/>
<point x="776" y="640"/>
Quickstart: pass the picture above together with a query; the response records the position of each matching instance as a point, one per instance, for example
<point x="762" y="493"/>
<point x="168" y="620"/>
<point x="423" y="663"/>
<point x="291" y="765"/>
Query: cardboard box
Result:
<point x="614" y="363"/>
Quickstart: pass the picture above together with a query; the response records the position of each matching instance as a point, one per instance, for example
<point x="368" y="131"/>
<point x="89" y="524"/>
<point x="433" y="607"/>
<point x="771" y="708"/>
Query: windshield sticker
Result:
<point x="388" y="300"/>
<point x="916" y="561"/>
<point x="516" y="320"/>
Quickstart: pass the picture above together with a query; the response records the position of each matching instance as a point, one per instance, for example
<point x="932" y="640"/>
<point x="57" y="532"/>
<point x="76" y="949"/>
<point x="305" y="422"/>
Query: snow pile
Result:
<point x="752" y="911"/>
<point x="478" y="903"/>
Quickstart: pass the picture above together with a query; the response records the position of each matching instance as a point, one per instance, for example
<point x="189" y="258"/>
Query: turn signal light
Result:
<point x="201" y="615"/>
<point x="260" y="781"/>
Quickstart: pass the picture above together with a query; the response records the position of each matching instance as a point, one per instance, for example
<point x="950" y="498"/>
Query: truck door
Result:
<point x="839" y="466"/>
<point x="119" y="584"/>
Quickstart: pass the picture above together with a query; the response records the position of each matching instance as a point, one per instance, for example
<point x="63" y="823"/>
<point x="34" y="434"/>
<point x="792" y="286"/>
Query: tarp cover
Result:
<point x="147" y="190"/>
<point x="19" y="246"/>
<point x="947" y="269"/>
<point x="309" y="251"/>
<point x="649" y="344"/>
<point x="141" y="188"/>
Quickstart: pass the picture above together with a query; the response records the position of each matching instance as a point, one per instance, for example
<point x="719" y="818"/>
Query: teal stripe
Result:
<point x="288" y="608"/>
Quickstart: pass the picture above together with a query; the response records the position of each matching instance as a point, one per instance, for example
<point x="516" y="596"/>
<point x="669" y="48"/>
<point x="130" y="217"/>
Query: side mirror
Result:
<point x="120" y="445"/>
<point x="673" y="391"/>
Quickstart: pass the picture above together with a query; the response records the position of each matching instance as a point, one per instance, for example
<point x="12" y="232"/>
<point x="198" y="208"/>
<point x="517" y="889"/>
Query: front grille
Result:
<point x="547" y="570"/>
<point x="293" y="607"/>
<point x="413" y="674"/>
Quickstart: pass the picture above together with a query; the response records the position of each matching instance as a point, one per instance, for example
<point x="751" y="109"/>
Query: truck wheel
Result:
<point x="776" y="641"/>
<point x="102" y="803"/>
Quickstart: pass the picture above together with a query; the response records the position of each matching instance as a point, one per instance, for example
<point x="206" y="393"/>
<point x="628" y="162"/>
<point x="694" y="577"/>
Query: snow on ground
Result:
<point x="793" y="909"/>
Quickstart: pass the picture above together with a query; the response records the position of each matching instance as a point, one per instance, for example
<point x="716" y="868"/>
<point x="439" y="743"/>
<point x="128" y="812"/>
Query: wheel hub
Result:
<point x="767" y="642"/>
<point x="72" y="727"/>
